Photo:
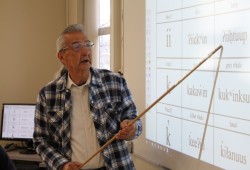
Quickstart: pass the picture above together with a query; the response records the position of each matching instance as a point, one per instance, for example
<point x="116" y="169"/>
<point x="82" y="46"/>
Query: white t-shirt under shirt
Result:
<point x="84" y="142"/>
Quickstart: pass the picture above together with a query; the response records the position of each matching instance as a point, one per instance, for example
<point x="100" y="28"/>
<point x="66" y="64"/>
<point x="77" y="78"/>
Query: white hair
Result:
<point x="60" y="42"/>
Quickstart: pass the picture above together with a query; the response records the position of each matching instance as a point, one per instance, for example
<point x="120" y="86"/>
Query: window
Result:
<point x="102" y="21"/>
<point x="104" y="34"/>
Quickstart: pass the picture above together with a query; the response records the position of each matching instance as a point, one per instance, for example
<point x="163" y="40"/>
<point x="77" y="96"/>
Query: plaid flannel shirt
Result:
<point x="110" y="102"/>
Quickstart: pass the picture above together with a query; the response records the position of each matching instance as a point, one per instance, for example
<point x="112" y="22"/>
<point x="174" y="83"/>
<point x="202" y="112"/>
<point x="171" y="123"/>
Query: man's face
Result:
<point x="77" y="54"/>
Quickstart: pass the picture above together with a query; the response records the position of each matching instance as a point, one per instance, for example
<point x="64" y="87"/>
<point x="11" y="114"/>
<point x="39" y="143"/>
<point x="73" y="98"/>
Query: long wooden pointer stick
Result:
<point x="152" y="105"/>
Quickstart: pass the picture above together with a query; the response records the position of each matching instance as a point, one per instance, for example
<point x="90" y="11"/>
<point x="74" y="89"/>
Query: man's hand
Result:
<point x="71" y="166"/>
<point x="126" y="132"/>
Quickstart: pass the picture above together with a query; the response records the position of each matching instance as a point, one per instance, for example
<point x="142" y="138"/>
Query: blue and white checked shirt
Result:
<point x="110" y="103"/>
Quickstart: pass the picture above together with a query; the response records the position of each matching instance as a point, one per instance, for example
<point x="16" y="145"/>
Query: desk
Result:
<point x="28" y="158"/>
<point x="15" y="155"/>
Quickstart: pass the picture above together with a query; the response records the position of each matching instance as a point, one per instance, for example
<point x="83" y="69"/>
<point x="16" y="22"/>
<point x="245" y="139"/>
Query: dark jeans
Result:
<point x="5" y="162"/>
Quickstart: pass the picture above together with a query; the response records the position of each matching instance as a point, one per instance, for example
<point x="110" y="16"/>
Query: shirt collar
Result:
<point x="70" y="82"/>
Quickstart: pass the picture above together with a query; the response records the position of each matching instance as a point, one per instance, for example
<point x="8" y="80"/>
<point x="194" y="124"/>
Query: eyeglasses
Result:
<point x="78" y="46"/>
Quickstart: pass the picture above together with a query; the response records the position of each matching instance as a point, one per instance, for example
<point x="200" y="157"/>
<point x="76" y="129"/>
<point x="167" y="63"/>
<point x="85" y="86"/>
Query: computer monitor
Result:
<point x="18" y="122"/>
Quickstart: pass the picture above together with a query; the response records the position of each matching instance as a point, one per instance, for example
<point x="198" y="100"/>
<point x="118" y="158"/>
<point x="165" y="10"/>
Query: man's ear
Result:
<point x="60" y="57"/>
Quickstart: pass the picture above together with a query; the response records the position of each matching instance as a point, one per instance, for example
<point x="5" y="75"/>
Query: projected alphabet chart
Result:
<point x="179" y="35"/>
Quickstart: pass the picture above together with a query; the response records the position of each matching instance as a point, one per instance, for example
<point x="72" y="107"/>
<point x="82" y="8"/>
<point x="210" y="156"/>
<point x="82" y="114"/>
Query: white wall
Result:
<point x="28" y="53"/>
<point x="133" y="57"/>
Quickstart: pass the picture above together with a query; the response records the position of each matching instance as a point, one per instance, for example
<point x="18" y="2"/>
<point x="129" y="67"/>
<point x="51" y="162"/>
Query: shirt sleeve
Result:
<point x="53" y="159"/>
<point x="129" y="108"/>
